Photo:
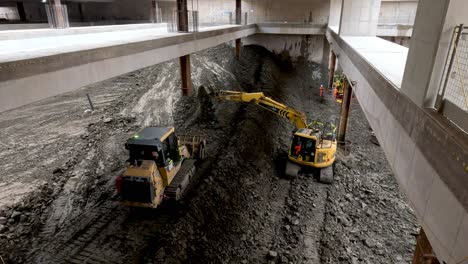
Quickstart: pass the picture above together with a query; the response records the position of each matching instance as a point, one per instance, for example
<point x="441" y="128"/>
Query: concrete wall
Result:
<point x="403" y="41"/>
<point x="334" y="20"/>
<point x="398" y="12"/>
<point x="314" y="11"/>
<point x="359" y="17"/>
<point x="308" y="47"/>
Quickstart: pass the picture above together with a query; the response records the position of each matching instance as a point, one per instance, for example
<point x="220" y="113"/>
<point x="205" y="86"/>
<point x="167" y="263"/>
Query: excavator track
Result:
<point x="175" y="190"/>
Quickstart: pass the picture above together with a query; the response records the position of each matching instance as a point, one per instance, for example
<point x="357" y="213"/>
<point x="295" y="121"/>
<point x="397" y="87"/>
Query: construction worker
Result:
<point x="321" y="93"/>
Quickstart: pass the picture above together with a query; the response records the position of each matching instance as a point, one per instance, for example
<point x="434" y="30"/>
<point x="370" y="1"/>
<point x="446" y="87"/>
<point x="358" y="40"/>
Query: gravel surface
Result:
<point x="58" y="202"/>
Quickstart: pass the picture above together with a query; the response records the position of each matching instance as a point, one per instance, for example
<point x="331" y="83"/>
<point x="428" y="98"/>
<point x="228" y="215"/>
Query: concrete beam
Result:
<point x="291" y="28"/>
<point x="36" y="76"/>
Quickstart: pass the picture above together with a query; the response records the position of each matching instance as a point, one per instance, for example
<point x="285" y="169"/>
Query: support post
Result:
<point x="182" y="16"/>
<point x="238" y="22"/>
<point x="81" y="10"/>
<point x="331" y="72"/>
<point x="238" y="12"/>
<point x="423" y="254"/>
<point x="182" y="25"/>
<point x="238" y="48"/>
<point x="21" y="12"/>
<point x="185" y="75"/>
<point x="345" y="105"/>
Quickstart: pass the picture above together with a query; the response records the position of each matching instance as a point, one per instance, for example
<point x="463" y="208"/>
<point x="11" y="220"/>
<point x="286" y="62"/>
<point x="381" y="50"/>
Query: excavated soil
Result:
<point x="59" y="162"/>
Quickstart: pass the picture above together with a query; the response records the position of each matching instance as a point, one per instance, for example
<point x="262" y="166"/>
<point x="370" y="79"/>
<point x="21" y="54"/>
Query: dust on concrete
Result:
<point x="237" y="210"/>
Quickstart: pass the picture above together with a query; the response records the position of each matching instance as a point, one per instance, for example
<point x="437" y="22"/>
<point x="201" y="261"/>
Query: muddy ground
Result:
<point x="59" y="162"/>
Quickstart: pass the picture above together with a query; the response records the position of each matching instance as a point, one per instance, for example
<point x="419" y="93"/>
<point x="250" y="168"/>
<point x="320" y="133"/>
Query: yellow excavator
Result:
<point x="313" y="145"/>
<point x="159" y="167"/>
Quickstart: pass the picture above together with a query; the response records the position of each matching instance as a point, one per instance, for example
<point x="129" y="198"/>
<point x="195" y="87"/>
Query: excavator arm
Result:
<point x="296" y="117"/>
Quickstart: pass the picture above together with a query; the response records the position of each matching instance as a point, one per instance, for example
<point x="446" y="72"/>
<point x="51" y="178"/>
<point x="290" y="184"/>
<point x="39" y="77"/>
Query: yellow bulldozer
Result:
<point x="159" y="167"/>
<point x="313" y="145"/>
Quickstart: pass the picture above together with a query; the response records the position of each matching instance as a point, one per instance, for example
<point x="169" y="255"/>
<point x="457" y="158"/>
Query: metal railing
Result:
<point x="57" y="16"/>
<point x="191" y="16"/>
<point x="454" y="84"/>
<point x="400" y="19"/>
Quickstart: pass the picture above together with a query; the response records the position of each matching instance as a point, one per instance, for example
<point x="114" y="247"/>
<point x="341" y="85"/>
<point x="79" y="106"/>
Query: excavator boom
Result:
<point x="296" y="117"/>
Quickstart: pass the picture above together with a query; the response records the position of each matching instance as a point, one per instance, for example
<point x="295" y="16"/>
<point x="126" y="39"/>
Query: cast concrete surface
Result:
<point x="434" y="178"/>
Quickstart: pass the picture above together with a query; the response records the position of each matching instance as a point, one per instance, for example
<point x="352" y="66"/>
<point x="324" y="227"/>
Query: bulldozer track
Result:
<point x="84" y="245"/>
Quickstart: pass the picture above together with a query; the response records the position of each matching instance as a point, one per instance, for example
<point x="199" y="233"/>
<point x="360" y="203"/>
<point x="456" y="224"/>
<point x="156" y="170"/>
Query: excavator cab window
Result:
<point x="303" y="148"/>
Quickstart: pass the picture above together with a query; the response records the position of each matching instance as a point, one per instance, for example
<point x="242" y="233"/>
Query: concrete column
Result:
<point x="331" y="70"/>
<point x="57" y="15"/>
<point x="359" y="17"/>
<point x="185" y="75"/>
<point x="182" y="25"/>
<point x="81" y="11"/>
<point x="345" y="105"/>
<point x="429" y="46"/>
<point x="238" y="12"/>
<point x="238" y="48"/>
<point x="182" y="16"/>
<point x="21" y="11"/>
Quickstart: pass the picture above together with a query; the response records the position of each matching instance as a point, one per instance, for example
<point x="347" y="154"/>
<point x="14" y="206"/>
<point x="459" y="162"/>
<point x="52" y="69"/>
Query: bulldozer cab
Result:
<point x="159" y="144"/>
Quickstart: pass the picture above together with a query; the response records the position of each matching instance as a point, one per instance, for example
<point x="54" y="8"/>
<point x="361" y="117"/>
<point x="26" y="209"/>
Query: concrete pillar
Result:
<point x="81" y="11"/>
<point x="359" y="17"/>
<point x="185" y="75"/>
<point x="331" y="70"/>
<point x="238" y="48"/>
<point x="345" y="105"/>
<point x="182" y="25"/>
<point x="57" y="17"/>
<point x="238" y="12"/>
<point x="182" y="16"/>
<point x="429" y="46"/>
<point x="21" y="11"/>
<point x="238" y="22"/>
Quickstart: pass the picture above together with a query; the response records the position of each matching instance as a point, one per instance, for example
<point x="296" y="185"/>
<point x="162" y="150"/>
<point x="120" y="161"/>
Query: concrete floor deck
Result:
<point x="386" y="57"/>
<point x="46" y="45"/>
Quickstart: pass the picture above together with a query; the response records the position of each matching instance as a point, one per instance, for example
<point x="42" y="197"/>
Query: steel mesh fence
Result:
<point x="454" y="85"/>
